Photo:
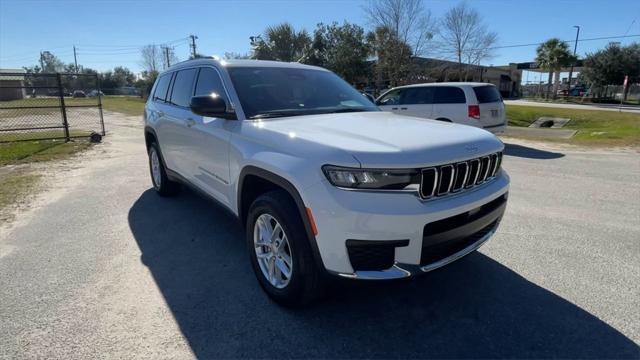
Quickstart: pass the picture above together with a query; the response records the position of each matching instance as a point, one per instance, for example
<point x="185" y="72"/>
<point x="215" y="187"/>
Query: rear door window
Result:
<point x="182" y="90"/>
<point x="417" y="96"/>
<point x="449" y="95"/>
<point x="160" y="93"/>
<point x="487" y="94"/>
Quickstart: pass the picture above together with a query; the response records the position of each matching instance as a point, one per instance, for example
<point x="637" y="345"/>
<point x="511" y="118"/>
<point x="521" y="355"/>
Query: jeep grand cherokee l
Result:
<point x="323" y="181"/>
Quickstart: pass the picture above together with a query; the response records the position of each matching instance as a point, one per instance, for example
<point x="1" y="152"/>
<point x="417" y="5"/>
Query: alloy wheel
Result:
<point x="273" y="251"/>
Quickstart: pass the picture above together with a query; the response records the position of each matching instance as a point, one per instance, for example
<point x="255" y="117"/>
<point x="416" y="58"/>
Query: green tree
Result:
<point x="51" y="63"/>
<point x="610" y="65"/>
<point x="340" y="48"/>
<point x="123" y="76"/>
<point x="393" y="57"/>
<point x="230" y="55"/>
<point x="145" y="82"/>
<point x="280" y="42"/>
<point x="553" y="55"/>
<point x="116" y="78"/>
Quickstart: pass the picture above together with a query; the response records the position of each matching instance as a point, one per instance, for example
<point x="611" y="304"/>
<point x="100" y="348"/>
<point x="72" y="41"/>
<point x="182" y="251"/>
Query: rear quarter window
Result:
<point x="487" y="94"/>
<point x="160" y="93"/>
<point x="449" y="95"/>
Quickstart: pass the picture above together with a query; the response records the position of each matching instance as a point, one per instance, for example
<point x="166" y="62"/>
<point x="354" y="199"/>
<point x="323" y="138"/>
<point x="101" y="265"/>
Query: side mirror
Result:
<point x="211" y="106"/>
<point x="369" y="96"/>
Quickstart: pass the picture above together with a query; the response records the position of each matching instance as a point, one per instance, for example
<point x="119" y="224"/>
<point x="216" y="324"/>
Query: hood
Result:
<point x="383" y="139"/>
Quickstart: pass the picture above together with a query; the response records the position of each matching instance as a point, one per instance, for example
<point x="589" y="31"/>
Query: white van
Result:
<point x="475" y="104"/>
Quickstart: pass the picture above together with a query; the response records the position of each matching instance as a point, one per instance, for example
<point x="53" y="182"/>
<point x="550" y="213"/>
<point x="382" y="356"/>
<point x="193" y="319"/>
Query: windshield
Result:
<point x="266" y="92"/>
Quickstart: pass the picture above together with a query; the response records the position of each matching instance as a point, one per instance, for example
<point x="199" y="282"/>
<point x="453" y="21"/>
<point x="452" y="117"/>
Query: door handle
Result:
<point x="190" y="122"/>
<point x="160" y="113"/>
<point x="403" y="108"/>
<point x="394" y="108"/>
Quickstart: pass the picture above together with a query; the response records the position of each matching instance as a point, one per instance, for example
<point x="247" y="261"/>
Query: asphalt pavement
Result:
<point x="99" y="266"/>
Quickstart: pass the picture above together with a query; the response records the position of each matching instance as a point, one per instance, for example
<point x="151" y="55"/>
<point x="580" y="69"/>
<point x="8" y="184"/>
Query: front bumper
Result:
<point x="394" y="216"/>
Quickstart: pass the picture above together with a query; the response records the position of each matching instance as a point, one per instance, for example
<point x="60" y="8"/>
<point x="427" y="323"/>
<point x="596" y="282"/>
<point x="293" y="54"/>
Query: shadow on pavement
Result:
<point x="475" y="307"/>
<point x="531" y="153"/>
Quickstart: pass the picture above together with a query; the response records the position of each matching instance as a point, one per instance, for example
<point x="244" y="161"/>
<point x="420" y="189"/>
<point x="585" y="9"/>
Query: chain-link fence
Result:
<point x="605" y="94"/>
<point x="49" y="106"/>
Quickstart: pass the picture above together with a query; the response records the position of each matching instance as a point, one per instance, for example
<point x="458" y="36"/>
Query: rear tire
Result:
<point x="304" y="283"/>
<point x="159" y="178"/>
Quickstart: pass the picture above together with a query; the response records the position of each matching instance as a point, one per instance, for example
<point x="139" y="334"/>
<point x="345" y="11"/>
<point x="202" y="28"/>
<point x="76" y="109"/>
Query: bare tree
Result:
<point x="407" y="19"/>
<point x="168" y="56"/>
<point x="152" y="58"/>
<point x="463" y="36"/>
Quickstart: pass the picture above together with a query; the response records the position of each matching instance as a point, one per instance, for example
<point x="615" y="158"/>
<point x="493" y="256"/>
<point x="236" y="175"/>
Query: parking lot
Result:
<point x="100" y="266"/>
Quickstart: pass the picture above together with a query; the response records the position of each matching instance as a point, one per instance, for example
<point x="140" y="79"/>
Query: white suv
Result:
<point x="323" y="181"/>
<point x="475" y="104"/>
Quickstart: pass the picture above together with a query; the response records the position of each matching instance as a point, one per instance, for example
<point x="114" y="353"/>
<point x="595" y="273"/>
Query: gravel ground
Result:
<point x="98" y="266"/>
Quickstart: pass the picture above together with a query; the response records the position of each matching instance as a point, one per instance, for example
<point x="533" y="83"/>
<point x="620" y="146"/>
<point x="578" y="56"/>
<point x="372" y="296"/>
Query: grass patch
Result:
<point x="129" y="105"/>
<point x="124" y="104"/>
<point x="40" y="150"/>
<point x="14" y="188"/>
<point x="594" y="126"/>
<point x="578" y="100"/>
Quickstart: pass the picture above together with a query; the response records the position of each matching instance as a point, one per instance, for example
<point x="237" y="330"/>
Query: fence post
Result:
<point x="63" y="109"/>
<point x="99" y="86"/>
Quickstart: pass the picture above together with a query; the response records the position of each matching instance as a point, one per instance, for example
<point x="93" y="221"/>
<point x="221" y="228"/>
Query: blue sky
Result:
<point x="108" y="33"/>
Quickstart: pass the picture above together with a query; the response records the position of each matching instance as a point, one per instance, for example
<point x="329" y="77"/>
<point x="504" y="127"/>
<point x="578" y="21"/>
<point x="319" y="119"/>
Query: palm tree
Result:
<point x="281" y="42"/>
<point x="553" y="55"/>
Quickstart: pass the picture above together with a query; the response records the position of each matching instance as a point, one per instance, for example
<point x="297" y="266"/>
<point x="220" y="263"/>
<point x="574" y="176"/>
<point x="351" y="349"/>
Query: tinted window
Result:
<point x="183" y="87"/>
<point x="449" y="95"/>
<point x="417" y="95"/>
<point x="160" y="94"/>
<point x="487" y="94"/>
<point x="289" y="91"/>
<point x="209" y="82"/>
<point x="390" y="98"/>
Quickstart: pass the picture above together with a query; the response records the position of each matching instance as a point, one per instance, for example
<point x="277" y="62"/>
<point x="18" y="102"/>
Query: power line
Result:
<point x="440" y="51"/>
<point x="90" y="52"/>
<point x="630" y="25"/>
<point x="170" y="42"/>
<point x="567" y="41"/>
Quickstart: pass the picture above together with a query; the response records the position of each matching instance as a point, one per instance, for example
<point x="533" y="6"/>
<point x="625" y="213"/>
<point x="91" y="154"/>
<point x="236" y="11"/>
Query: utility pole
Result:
<point x="41" y="62"/>
<point x="193" y="46"/>
<point x="575" y="48"/>
<point x="75" y="58"/>
<point x="166" y="55"/>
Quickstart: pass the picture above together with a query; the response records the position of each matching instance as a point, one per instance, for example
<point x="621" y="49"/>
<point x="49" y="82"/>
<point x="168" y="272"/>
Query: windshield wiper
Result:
<point x="346" y="110"/>
<point x="276" y="114"/>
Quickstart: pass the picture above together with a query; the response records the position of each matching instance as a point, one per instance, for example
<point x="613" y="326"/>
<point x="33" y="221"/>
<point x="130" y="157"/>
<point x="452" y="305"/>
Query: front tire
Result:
<point x="159" y="178"/>
<point x="280" y="251"/>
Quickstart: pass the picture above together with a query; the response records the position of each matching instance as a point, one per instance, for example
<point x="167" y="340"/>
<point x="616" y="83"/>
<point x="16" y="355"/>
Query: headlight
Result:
<point x="370" y="178"/>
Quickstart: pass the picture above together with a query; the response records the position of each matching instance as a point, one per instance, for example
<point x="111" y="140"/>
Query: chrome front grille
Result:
<point x="451" y="178"/>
